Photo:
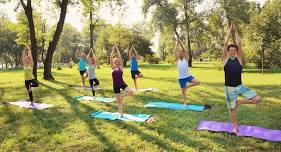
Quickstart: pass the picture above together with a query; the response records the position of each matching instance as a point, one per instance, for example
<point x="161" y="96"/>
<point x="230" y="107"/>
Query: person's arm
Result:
<point x="136" y="53"/>
<point x="239" y="44"/>
<point x="111" y="56"/>
<point x="89" y="54"/>
<point x="130" y="55"/>
<point x="30" y="56"/>
<point x="227" y="37"/>
<point x="185" y="51"/>
<point x="120" y="57"/>
<point x="176" y="53"/>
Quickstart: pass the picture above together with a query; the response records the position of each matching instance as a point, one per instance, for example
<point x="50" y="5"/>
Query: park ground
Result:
<point x="68" y="127"/>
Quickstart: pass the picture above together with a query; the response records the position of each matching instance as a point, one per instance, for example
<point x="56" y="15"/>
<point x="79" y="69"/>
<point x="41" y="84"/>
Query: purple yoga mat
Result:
<point x="26" y="104"/>
<point x="250" y="131"/>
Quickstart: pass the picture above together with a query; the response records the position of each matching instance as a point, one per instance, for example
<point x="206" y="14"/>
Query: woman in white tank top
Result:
<point x="184" y="76"/>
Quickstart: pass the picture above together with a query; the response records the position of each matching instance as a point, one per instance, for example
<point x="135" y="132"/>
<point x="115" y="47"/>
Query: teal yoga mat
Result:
<point x="175" y="106"/>
<point x="116" y="116"/>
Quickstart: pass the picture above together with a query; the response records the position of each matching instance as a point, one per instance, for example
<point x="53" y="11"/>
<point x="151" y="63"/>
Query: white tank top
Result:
<point x="91" y="70"/>
<point x="183" y="68"/>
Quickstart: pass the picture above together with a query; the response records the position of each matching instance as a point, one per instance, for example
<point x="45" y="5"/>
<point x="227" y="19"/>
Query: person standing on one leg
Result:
<point x="184" y="76"/>
<point x="135" y="73"/>
<point x="232" y="59"/>
<point x="117" y="77"/>
<point x="91" y="71"/>
<point x="28" y="75"/>
<point x="82" y="66"/>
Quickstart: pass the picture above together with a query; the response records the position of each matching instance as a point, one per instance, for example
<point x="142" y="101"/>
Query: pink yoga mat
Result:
<point x="26" y="104"/>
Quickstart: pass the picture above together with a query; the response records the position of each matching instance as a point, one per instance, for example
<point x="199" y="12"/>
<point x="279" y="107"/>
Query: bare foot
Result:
<point x="235" y="130"/>
<point x="151" y="120"/>
<point x="32" y="104"/>
<point x="185" y="103"/>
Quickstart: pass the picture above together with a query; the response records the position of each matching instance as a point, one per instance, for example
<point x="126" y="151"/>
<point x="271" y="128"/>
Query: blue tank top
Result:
<point x="117" y="77"/>
<point x="134" y="64"/>
<point x="232" y="72"/>
<point x="82" y="64"/>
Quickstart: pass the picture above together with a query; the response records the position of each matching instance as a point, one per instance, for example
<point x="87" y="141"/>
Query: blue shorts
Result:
<point x="185" y="80"/>
<point x="232" y="93"/>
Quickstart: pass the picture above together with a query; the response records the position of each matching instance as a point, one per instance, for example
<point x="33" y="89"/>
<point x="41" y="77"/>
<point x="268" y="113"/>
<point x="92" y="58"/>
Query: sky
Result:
<point x="132" y="15"/>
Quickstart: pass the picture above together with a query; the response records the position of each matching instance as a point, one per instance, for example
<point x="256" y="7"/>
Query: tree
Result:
<point x="53" y="44"/>
<point x="264" y="35"/>
<point x="9" y="52"/>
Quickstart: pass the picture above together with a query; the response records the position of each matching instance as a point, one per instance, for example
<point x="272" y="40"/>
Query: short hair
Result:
<point x="232" y="45"/>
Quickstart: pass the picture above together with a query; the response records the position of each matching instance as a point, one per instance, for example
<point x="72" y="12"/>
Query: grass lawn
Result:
<point x="68" y="127"/>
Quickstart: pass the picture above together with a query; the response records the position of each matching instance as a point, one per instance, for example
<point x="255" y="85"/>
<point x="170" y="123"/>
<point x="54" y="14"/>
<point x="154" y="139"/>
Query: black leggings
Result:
<point x="29" y="84"/>
<point x="96" y="83"/>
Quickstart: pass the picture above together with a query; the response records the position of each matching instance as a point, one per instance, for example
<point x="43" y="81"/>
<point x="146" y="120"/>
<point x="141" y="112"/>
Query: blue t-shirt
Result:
<point x="134" y="64"/>
<point x="82" y="64"/>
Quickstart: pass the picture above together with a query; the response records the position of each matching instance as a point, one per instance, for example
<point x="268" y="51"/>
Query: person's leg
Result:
<point x="250" y="96"/>
<point x="96" y="82"/>
<point x="135" y="83"/>
<point x="233" y="118"/>
<point x="182" y="83"/>
<point x="193" y="82"/>
<point x="183" y="91"/>
<point x="231" y="98"/>
<point x="91" y="83"/>
<point x="119" y="103"/>
<point x="82" y="77"/>
<point x="128" y="92"/>
<point x="29" y="90"/>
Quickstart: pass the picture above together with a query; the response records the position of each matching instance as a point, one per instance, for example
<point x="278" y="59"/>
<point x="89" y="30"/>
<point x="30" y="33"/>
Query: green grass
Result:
<point x="68" y="127"/>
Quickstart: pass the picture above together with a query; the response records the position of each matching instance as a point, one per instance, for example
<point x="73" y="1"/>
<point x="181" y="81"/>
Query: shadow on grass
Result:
<point x="79" y="113"/>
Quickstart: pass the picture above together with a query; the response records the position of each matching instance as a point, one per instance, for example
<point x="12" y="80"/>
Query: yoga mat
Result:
<point x="92" y="98"/>
<point x="26" y="104"/>
<point x="175" y="106"/>
<point x="85" y="88"/>
<point x="148" y="90"/>
<point x="116" y="116"/>
<point x="244" y="130"/>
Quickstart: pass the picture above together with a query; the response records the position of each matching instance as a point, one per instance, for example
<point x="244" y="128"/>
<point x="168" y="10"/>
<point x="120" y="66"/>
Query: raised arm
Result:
<point x="111" y="56"/>
<point x="136" y="53"/>
<point x="185" y="51"/>
<point x="120" y="57"/>
<point x="238" y="43"/>
<point x="227" y="37"/>
<point x="130" y="53"/>
<point x="30" y="56"/>
<point x="176" y="51"/>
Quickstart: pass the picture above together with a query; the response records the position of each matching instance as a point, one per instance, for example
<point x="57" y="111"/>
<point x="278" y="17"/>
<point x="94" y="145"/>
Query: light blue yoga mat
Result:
<point x="116" y="116"/>
<point x="177" y="106"/>
<point x="91" y="98"/>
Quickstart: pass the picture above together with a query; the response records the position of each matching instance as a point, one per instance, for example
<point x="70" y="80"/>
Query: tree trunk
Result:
<point x="43" y="41"/>
<point x="91" y="31"/>
<point x="54" y="42"/>
<point x="29" y="15"/>
<point x="189" y="51"/>
<point x="187" y="23"/>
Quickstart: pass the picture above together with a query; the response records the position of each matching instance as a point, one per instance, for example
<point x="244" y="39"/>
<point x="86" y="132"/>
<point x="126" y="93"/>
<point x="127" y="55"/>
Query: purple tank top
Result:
<point x="117" y="77"/>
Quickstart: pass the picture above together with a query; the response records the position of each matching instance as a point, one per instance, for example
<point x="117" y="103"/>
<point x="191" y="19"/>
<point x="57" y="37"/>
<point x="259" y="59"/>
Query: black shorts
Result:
<point x="82" y="72"/>
<point x="134" y="73"/>
<point x="30" y="83"/>
<point x="117" y="89"/>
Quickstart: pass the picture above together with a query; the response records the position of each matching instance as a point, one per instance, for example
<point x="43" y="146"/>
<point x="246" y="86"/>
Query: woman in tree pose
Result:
<point x="117" y="77"/>
<point x="184" y="75"/>
<point x="91" y="71"/>
<point x="28" y="75"/>
<point x="135" y="73"/>
<point x="232" y="59"/>
<point x="82" y="66"/>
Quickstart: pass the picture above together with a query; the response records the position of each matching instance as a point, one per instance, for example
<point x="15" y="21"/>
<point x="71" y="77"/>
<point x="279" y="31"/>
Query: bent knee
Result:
<point x="257" y="99"/>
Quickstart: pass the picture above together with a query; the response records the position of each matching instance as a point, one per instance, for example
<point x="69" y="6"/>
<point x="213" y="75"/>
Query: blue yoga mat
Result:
<point x="91" y="98"/>
<point x="116" y="116"/>
<point x="177" y="106"/>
